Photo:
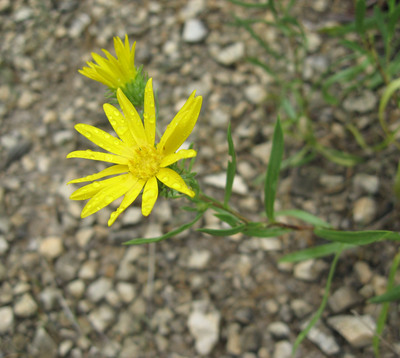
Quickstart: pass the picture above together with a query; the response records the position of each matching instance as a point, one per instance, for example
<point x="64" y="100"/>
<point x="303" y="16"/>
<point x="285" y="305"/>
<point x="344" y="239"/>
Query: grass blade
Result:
<point x="231" y="171"/>
<point x="304" y="216"/>
<point x="274" y="165"/>
<point x="313" y="252"/>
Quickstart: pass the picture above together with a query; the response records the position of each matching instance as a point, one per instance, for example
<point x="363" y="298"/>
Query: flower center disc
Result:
<point x="145" y="162"/>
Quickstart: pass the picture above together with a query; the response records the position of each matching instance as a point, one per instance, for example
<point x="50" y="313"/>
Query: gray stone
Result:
<point x="25" y="306"/>
<point x="192" y="9"/>
<point x="362" y="104"/>
<point x="357" y="330"/>
<point x="49" y="298"/>
<point x="250" y="339"/>
<point x="233" y="341"/>
<point x="323" y="338"/>
<point x="343" y="298"/>
<point x="98" y="289"/>
<point x="300" y="308"/>
<point x="199" y="259"/>
<point x="366" y="182"/>
<point x="6" y="319"/>
<point x="255" y="93"/>
<point x="194" y="31"/>
<point x="305" y="270"/>
<point x="363" y="272"/>
<point x="203" y="325"/>
<point x="132" y="216"/>
<point x="3" y="246"/>
<point x="127" y="291"/>
<point x="279" y="330"/>
<point x="76" y="288"/>
<point x="89" y="270"/>
<point x="219" y="181"/>
<point x="80" y="22"/>
<point x="283" y="349"/>
<point x="43" y="345"/>
<point x="102" y="317"/>
<point x="51" y="247"/>
<point x="230" y="54"/>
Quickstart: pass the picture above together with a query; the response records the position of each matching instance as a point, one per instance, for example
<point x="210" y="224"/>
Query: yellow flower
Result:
<point x="113" y="72"/>
<point x="139" y="163"/>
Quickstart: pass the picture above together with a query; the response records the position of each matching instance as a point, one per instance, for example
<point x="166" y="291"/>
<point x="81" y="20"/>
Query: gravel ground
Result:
<point x="68" y="288"/>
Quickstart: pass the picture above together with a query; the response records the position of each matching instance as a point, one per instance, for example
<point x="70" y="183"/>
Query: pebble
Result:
<point x="323" y="338"/>
<point x="219" y="181"/>
<point x="300" y="308"/>
<point x="43" y="346"/>
<point x="363" y="272"/>
<point x="305" y="270"/>
<point x="131" y="216"/>
<point x="98" y="289"/>
<point x="194" y="31"/>
<point x="3" y="247"/>
<point x="26" y="99"/>
<point x="229" y="55"/>
<point x="76" y="288"/>
<point x="366" y="182"/>
<point x="84" y="235"/>
<point x="199" y="259"/>
<point x="255" y="94"/>
<point x="250" y="339"/>
<point x="89" y="270"/>
<point x="203" y="323"/>
<point x="6" y="319"/>
<point x="25" y="306"/>
<point x="283" y="349"/>
<point x="343" y="298"/>
<point x="357" y="330"/>
<point x="49" y="298"/>
<point x="102" y="317"/>
<point x="362" y="104"/>
<point x="127" y="291"/>
<point x="51" y="247"/>
<point x="233" y="345"/>
<point x="279" y="330"/>
<point x="364" y="210"/>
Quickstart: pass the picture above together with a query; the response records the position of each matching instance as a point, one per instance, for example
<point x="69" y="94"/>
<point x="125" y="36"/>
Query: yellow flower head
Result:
<point x="139" y="163"/>
<point x="113" y="72"/>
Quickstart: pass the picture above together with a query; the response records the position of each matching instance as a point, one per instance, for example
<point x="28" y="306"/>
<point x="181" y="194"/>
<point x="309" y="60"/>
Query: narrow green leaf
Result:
<point x="231" y="171"/>
<point x="317" y="316"/>
<point x="394" y="16"/>
<point x="389" y="296"/>
<point x="353" y="237"/>
<point x="314" y="252"/>
<point x="304" y="216"/>
<point x="274" y="165"/>
<point x="255" y="61"/>
<point x="396" y="188"/>
<point x="386" y="96"/>
<point x="338" y="157"/>
<point x="360" y="16"/>
<point x="250" y="5"/>
<point x="223" y="232"/>
<point x="227" y="218"/>
<point x="184" y="227"/>
<point x="265" y="232"/>
<point x="382" y="26"/>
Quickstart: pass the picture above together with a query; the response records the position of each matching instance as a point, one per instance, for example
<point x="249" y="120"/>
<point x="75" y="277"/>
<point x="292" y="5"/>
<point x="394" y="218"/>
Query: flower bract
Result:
<point x="139" y="164"/>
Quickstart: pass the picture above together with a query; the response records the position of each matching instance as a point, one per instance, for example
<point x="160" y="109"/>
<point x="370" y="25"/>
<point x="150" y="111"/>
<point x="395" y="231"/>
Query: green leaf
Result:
<point x="271" y="178"/>
<point x="381" y="22"/>
<point x="355" y="237"/>
<point x="265" y="232"/>
<point x="314" y="252"/>
<point x="396" y="188"/>
<point x="231" y="171"/>
<point x="251" y="5"/>
<point x="227" y="218"/>
<point x="386" y="96"/>
<point x="298" y="159"/>
<point x="360" y="16"/>
<point x="223" y="232"/>
<point x="184" y="227"/>
<point x="304" y="216"/>
<point x="389" y="296"/>
<point x="255" y="61"/>
<point x="317" y="316"/>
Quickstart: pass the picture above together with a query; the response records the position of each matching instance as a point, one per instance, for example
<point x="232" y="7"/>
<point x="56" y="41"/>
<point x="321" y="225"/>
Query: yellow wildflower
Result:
<point x="139" y="163"/>
<point x="113" y="72"/>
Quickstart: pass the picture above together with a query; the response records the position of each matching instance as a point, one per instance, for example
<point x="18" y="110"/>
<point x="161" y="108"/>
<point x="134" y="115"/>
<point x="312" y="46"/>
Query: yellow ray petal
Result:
<point x="173" y="180"/>
<point x="181" y="126"/>
<point x="119" y="124"/>
<point x="88" y="191"/>
<point x="113" y="170"/>
<point x="103" y="139"/>
<point x="108" y="194"/>
<point x="150" y="194"/>
<point x="149" y="114"/>
<point x="129" y="198"/>
<point x="172" y="158"/>
<point x="132" y="118"/>
<point x="103" y="157"/>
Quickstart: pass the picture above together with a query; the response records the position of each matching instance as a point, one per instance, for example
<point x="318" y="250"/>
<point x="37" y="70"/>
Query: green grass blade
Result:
<point x="265" y="232"/>
<point x="360" y="16"/>
<point x="184" y="227"/>
<point x="227" y="218"/>
<point x="304" y="216"/>
<point x="389" y="296"/>
<point x="251" y="5"/>
<point x="231" y="170"/>
<point x="274" y="165"/>
<point x="396" y="188"/>
<point x="317" y="316"/>
<point x="354" y="237"/>
<point x="223" y="232"/>
<point x="314" y="252"/>
<point x="338" y="157"/>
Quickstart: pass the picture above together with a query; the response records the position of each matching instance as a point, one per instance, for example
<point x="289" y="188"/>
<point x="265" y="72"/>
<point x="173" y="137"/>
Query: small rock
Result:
<point x="300" y="308"/>
<point x="89" y="270"/>
<point x="51" y="247"/>
<point x="6" y="319"/>
<point x="84" y="235"/>
<point x="323" y="338"/>
<point x="194" y="31"/>
<point x="76" y="288"/>
<point x="132" y="216"/>
<point x="283" y="349"/>
<point x="255" y="94"/>
<point x="102" y="317"/>
<point x="305" y="270"/>
<point x="127" y="291"/>
<point x="79" y="24"/>
<point x="203" y="325"/>
<point x="26" y="99"/>
<point x="357" y="330"/>
<point x="199" y="259"/>
<point x="98" y="289"/>
<point x="43" y="345"/>
<point x="230" y="54"/>
<point x="244" y="315"/>
<point x="279" y="330"/>
<point x="3" y="247"/>
<point x="65" y="347"/>
<point x="379" y="284"/>
<point x="362" y="104"/>
<point x="368" y="183"/>
<point x="331" y="181"/>
<point x="192" y="9"/>
<point x="250" y="339"/>
<point x="219" y="181"/>
<point x="364" y="210"/>
<point x="363" y="272"/>
<point x="49" y="298"/>
<point x="25" y="306"/>
<point x="343" y="298"/>
<point x="233" y="341"/>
